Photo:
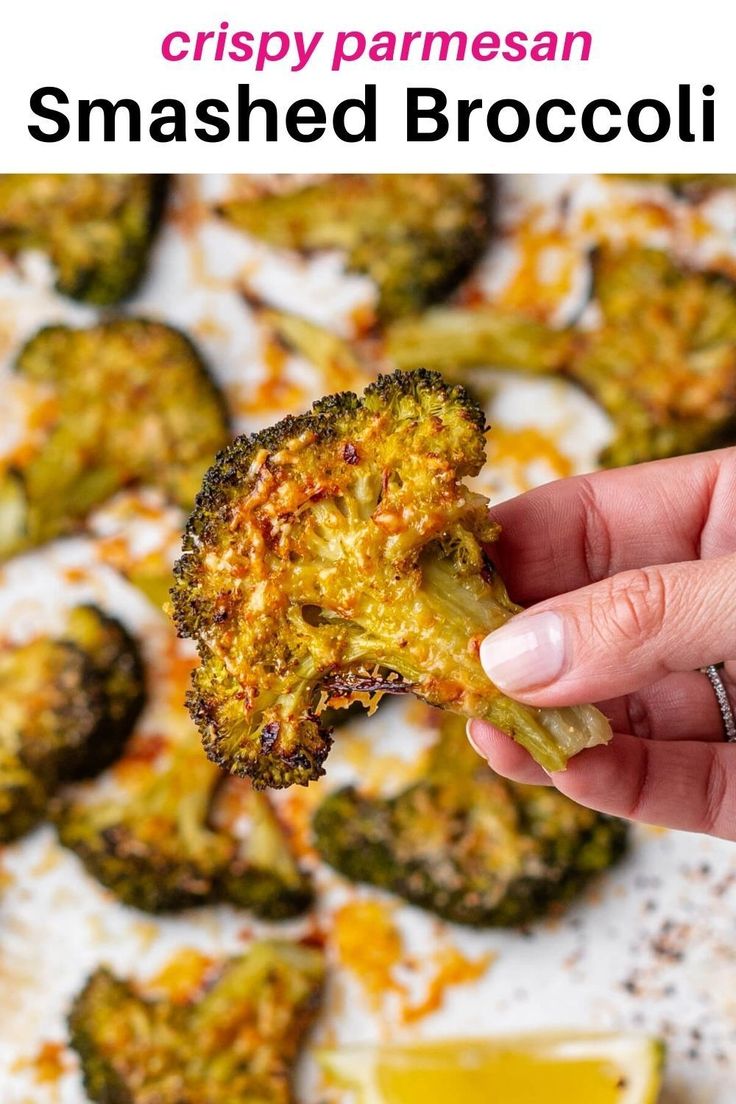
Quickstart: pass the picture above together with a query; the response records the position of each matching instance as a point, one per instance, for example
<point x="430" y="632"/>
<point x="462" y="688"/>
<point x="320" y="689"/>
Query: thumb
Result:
<point x="618" y="635"/>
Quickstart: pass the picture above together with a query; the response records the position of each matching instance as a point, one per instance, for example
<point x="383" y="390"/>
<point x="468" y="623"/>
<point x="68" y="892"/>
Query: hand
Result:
<point x="631" y="575"/>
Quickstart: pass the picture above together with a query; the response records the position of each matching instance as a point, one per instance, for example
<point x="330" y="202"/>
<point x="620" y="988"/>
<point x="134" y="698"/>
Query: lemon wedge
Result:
<point x="526" y="1069"/>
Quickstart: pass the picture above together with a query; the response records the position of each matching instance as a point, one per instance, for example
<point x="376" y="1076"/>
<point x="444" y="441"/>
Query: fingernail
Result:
<point x="526" y="652"/>
<point x="472" y="741"/>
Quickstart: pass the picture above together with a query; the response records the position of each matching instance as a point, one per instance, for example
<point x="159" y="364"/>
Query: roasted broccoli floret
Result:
<point x="22" y="792"/>
<point x="52" y="707"/>
<point x="663" y="360"/>
<point x="159" y="844"/>
<point x="238" y="1042"/>
<point x="97" y="229"/>
<point x="451" y="339"/>
<point x="466" y="844"/>
<point x="117" y="662"/>
<point x="68" y="707"/>
<point x="415" y="235"/>
<point x="340" y="554"/>
<point x="135" y="404"/>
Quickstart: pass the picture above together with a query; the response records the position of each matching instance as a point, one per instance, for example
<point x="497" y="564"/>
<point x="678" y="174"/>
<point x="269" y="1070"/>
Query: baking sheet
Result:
<point x="650" y="947"/>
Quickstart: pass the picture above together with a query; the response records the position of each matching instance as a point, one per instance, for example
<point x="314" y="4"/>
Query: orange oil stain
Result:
<point x="548" y="260"/>
<point x="370" y="947"/>
<point x="519" y="448"/>
<point x="48" y="1065"/>
<point x="451" y="968"/>
<point x="275" y="393"/>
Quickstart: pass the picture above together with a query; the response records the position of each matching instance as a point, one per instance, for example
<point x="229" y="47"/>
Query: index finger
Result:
<point x="576" y="531"/>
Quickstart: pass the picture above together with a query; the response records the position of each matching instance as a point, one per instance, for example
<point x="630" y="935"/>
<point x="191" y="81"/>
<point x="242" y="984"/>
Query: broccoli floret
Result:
<point x="238" y="1042"/>
<point x="415" y="235"/>
<point x="134" y="404"/>
<point x="451" y="339"/>
<point x="53" y="704"/>
<point x="23" y="794"/>
<point x="97" y="229"/>
<point x="159" y="845"/>
<point x="117" y="662"/>
<point x="68" y="707"/>
<point x="662" y="363"/>
<point x="466" y="844"/>
<point x="340" y="554"/>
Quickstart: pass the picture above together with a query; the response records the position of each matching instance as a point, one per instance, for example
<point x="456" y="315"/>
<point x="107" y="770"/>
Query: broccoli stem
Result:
<point x="552" y="736"/>
<point x="433" y="643"/>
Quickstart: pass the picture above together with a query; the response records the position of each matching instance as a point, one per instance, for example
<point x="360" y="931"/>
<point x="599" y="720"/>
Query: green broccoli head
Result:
<point x="238" y="1042"/>
<point x="134" y="405"/>
<point x="97" y="229"/>
<point x="466" y="844"/>
<point x="52" y="705"/>
<point x="161" y="843"/>
<point x="452" y="339"/>
<point x="662" y="362"/>
<point x="661" y="359"/>
<point x="338" y="555"/>
<point x="415" y="235"/>
<point x="69" y="706"/>
<point x="23" y="793"/>
<point x="117" y="662"/>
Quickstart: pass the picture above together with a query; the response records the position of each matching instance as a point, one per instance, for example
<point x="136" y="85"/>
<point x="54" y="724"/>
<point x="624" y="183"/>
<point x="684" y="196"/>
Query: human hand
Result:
<point x="631" y="575"/>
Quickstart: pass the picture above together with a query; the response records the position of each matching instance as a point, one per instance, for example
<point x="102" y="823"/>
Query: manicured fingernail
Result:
<point x="527" y="652"/>
<point x="472" y="741"/>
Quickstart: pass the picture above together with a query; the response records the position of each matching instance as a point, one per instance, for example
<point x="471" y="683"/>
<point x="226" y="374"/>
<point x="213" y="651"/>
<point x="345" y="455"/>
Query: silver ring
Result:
<point x="729" y="721"/>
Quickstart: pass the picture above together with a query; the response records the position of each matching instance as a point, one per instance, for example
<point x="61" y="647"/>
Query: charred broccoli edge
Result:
<point x="120" y="714"/>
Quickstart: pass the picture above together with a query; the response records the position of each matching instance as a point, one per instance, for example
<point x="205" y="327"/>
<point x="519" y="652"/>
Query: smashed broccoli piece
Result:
<point x="97" y="229"/>
<point x="159" y="845"/>
<point x="339" y="555"/>
<point x="118" y="665"/>
<point x="68" y="706"/>
<point x="134" y="404"/>
<point x="662" y="363"/>
<point x="465" y="843"/>
<point x="451" y="339"/>
<point x="239" y="1041"/>
<point x="52" y="707"/>
<point x="416" y="235"/>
